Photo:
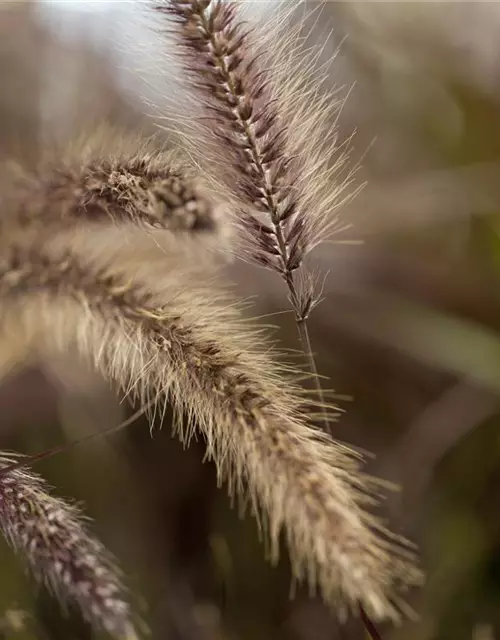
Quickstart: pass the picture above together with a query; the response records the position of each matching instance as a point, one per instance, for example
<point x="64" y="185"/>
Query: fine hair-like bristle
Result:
<point x="52" y="537"/>
<point x="173" y="342"/>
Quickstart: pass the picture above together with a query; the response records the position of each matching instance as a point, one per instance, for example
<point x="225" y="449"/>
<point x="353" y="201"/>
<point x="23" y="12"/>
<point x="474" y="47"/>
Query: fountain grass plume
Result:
<point x="53" y="539"/>
<point x="180" y="344"/>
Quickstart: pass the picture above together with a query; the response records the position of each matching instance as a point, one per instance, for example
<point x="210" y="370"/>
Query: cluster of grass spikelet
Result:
<point x="96" y="256"/>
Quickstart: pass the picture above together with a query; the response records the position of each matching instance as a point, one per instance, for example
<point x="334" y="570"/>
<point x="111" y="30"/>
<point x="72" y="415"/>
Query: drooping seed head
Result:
<point x="112" y="183"/>
<point x="51" y="537"/>
<point x="173" y="341"/>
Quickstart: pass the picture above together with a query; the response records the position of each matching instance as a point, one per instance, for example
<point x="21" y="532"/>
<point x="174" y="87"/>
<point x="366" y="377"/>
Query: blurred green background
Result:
<point x="410" y="325"/>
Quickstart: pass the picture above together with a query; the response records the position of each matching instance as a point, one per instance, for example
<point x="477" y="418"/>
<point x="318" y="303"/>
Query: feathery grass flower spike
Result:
<point x="50" y="535"/>
<point x="264" y="132"/>
<point x="146" y="189"/>
<point x="267" y="140"/>
<point x="178" y="342"/>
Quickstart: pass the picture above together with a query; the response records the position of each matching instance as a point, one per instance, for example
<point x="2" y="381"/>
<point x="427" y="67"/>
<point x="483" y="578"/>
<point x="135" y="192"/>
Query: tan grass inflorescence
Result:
<point x="267" y="136"/>
<point x="75" y="272"/>
<point x="136" y="184"/>
<point x="174" y="342"/>
<point x="120" y="192"/>
<point x="53" y="539"/>
<point x="263" y="133"/>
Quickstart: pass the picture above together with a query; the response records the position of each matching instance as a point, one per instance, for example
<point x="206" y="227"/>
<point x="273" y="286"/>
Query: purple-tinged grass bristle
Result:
<point x="263" y="132"/>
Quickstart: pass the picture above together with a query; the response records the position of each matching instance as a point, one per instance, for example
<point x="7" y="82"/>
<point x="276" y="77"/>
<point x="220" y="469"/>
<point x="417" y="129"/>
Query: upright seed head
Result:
<point x="264" y="130"/>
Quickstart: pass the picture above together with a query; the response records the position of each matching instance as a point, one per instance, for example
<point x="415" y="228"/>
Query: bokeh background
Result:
<point x="409" y="329"/>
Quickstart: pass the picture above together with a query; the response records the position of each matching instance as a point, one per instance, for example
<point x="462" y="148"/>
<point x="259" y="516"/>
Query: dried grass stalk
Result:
<point x="179" y="344"/>
<point x="53" y="539"/>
